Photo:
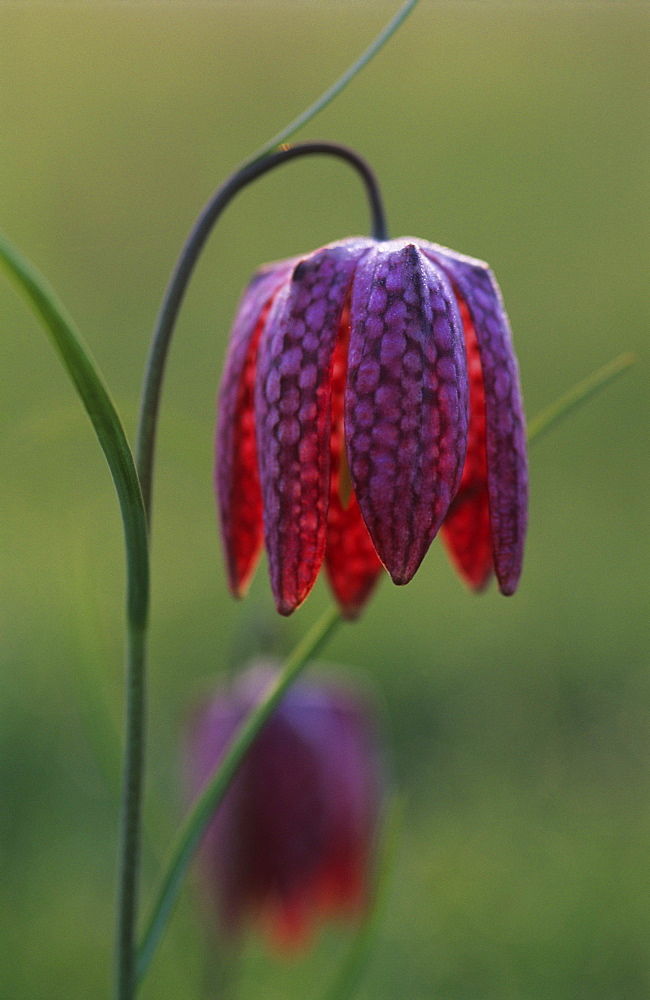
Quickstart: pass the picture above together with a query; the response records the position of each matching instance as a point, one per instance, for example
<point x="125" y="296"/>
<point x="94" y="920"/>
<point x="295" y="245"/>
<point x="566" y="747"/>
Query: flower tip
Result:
<point x="351" y="613"/>
<point x="286" y="606"/>
<point x="508" y="577"/>
<point x="403" y="566"/>
<point x="288" y="942"/>
<point x="401" y="577"/>
<point x="509" y="586"/>
<point x="508" y="571"/>
<point x="239" y="585"/>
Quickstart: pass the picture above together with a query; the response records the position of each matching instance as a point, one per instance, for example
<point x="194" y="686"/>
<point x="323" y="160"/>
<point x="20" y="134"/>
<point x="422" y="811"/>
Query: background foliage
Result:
<point x="519" y="728"/>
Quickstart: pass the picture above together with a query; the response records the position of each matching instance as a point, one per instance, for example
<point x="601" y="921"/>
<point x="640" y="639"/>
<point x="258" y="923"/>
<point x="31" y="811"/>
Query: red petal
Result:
<point x="341" y="890"/>
<point x="352" y="564"/>
<point x="236" y="473"/>
<point x="289" y="925"/>
<point x="505" y="436"/>
<point x="466" y="530"/>
<point x="292" y="405"/>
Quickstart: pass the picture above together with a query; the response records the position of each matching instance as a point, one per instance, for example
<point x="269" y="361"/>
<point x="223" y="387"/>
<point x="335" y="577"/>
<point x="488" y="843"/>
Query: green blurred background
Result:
<point x="519" y="729"/>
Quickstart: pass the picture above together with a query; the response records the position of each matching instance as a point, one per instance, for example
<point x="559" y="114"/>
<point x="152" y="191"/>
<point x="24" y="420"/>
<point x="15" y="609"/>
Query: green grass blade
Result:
<point x="578" y="395"/>
<point x="90" y="386"/>
<point x="339" y="85"/>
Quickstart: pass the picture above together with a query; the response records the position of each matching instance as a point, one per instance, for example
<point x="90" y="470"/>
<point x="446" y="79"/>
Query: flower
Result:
<point x="402" y="350"/>
<point x="293" y="837"/>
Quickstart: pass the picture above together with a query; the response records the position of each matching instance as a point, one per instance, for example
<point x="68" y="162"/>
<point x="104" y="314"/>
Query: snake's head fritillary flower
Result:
<point x="370" y="397"/>
<point x="292" y="841"/>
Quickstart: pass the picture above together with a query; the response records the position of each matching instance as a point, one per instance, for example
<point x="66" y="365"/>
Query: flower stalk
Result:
<point x="175" y="293"/>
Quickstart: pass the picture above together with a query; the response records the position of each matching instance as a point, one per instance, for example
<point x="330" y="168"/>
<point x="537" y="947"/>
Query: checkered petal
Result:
<point x="293" y="413"/>
<point x="406" y="410"/>
<point x="505" y="430"/>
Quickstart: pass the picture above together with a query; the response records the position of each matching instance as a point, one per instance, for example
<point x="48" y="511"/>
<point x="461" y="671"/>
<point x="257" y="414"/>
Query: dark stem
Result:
<point x="186" y="263"/>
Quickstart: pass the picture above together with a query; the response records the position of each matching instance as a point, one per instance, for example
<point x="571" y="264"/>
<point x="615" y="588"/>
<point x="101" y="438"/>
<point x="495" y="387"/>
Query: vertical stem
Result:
<point x="125" y="979"/>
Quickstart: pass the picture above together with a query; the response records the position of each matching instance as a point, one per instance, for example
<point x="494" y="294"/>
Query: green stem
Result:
<point x="579" y="394"/>
<point x="214" y="792"/>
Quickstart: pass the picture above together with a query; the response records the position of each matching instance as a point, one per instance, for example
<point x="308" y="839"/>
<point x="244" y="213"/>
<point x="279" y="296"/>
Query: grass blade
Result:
<point x="578" y="395"/>
<point x="90" y="386"/>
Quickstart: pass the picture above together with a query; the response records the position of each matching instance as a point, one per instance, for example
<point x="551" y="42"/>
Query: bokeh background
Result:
<point x="519" y="728"/>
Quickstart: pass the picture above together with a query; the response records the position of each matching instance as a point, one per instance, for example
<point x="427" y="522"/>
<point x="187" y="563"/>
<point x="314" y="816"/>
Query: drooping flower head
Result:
<point x="291" y="843"/>
<point x="370" y="397"/>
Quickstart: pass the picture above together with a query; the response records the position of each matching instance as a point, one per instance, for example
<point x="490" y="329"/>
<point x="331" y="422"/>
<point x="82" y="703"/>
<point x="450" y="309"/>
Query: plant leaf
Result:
<point x="90" y="386"/>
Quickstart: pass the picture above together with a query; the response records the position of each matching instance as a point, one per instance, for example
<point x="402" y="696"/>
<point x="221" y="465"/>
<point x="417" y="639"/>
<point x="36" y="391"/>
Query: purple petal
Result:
<point x="236" y="475"/>
<point x="406" y="407"/>
<point x="293" y="415"/>
<point x="507" y="463"/>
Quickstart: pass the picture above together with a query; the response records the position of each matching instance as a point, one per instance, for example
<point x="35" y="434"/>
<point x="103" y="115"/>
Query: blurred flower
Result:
<point x="292" y="840"/>
<point x="402" y="349"/>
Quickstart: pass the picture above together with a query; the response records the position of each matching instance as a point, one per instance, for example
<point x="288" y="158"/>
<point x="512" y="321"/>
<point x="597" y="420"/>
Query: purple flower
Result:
<point x="370" y="396"/>
<point x="291" y="842"/>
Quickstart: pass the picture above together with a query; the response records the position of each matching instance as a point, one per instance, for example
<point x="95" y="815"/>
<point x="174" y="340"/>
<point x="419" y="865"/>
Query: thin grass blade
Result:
<point x="578" y="395"/>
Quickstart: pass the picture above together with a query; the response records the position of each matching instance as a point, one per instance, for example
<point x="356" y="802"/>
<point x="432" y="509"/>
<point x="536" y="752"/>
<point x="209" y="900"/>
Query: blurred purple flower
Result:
<point x="292" y="840"/>
<point x="371" y="395"/>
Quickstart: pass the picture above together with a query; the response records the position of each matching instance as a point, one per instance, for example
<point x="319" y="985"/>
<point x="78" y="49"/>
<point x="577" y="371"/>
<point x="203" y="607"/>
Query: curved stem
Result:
<point x="186" y="262"/>
<point x="215" y="790"/>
